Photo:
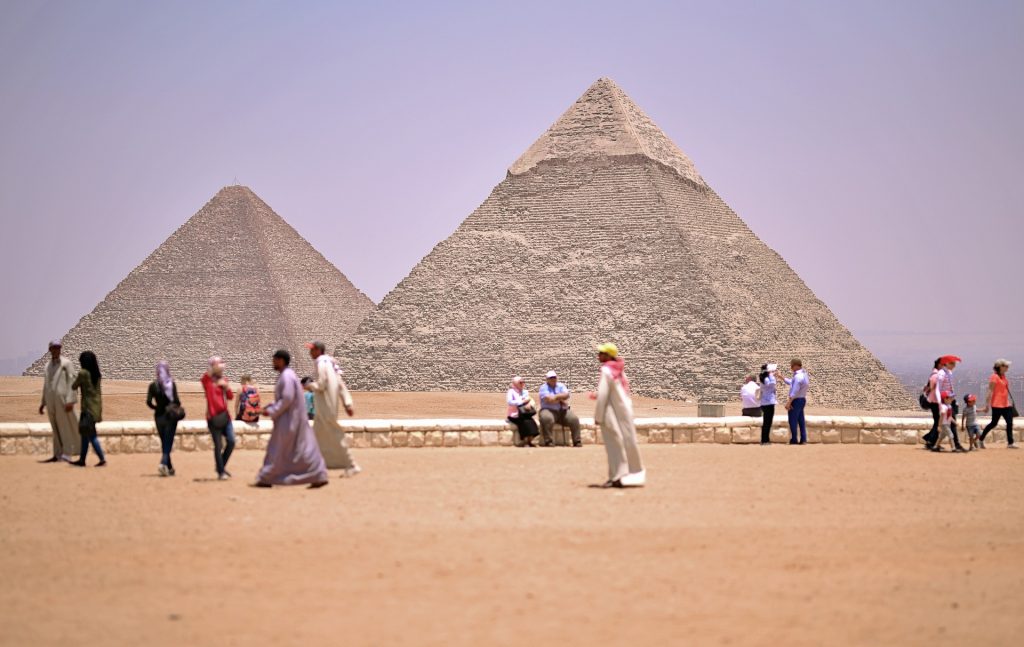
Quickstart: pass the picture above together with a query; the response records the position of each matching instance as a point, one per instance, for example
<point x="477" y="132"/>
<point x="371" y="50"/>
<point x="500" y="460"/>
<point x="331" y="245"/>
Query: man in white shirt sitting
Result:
<point x="750" y="394"/>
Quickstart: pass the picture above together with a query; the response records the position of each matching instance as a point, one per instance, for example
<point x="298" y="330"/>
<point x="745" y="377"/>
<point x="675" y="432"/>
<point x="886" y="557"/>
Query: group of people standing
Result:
<point x="297" y="452"/>
<point x="759" y="395"/>
<point x="939" y="397"/>
<point x="613" y="415"/>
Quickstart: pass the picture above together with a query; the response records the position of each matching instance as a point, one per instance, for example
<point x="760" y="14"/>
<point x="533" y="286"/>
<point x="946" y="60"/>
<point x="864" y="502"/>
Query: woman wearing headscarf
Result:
<point x="88" y="382"/>
<point x="162" y="398"/>
<point x="521" y="411"/>
<point x="613" y="413"/>
<point x="1000" y="401"/>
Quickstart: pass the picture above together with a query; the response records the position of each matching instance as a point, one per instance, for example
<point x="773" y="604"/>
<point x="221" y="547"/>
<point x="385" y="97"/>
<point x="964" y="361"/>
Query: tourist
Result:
<point x="328" y="390"/>
<point x="555" y="409"/>
<point x="59" y="403"/>
<point x="971" y="420"/>
<point x="768" y="400"/>
<point x="88" y="382"/>
<point x="942" y="382"/>
<point x="798" y="386"/>
<point x="931" y="396"/>
<point x="1000" y="401"/>
<point x="521" y="410"/>
<point x="750" y="397"/>
<point x="162" y="398"/>
<point x="308" y="397"/>
<point x="248" y="401"/>
<point x="217" y="391"/>
<point x="293" y="457"/>
<point x="945" y="419"/>
<point x="613" y="415"/>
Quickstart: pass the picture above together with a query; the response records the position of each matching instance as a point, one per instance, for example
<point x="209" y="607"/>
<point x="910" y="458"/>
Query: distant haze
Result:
<point x="875" y="145"/>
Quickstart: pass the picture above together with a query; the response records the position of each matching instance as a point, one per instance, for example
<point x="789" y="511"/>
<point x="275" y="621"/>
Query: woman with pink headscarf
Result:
<point x="162" y="398"/>
<point x="521" y="410"/>
<point x="613" y="413"/>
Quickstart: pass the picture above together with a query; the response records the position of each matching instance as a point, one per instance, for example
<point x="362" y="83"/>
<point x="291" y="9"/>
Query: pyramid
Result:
<point x="235" y="280"/>
<point x="604" y="230"/>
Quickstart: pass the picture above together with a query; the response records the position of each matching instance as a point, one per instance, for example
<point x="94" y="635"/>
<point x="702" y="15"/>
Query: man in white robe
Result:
<point x="329" y="389"/>
<point x="59" y="403"/>
<point x="613" y="413"/>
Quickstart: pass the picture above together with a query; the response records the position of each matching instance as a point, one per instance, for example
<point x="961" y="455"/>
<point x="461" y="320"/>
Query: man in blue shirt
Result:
<point x="554" y="408"/>
<point x="798" y="386"/>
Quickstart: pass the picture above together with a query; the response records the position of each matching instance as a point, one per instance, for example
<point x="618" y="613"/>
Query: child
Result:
<point x="310" y="408"/>
<point x="971" y="420"/>
<point x="945" y="422"/>
<point x="248" y="401"/>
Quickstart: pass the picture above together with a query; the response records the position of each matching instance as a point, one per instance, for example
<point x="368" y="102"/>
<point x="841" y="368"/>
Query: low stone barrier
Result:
<point x="141" y="437"/>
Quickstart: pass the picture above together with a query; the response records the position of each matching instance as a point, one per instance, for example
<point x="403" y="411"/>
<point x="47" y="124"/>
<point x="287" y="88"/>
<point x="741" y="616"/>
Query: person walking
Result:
<point x="1000" y="402"/>
<point x="941" y="382"/>
<point x="162" y="398"/>
<point x="329" y="390"/>
<point x="769" y="399"/>
<point x="554" y="409"/>
<point x="88" y="383"/>
<point x="798" y="387"/>
<point x="750" y="397"/>
<point x="521" y="411"/>
<point x="218" y="421"/>
<point x="58" y="402"/>
<point x="931" y="395"/>
<point x="613" y="415"/>
<point x="293" y="456"/>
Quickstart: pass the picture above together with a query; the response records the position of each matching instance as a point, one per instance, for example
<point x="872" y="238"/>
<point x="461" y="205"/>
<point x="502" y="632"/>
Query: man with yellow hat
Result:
<point x="613" y="414"/>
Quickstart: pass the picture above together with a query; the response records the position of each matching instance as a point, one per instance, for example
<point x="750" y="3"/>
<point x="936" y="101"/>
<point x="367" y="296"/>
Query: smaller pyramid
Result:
<point x="235" y="280"/>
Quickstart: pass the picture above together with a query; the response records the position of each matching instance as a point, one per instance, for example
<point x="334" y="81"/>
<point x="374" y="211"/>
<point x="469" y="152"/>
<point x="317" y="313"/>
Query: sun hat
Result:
<point x="771" y="367"/>
<point x="946" y="359"/>
<point x="550" y="375"/>
<point x="608" y="348"/>
<point x="1003" y="362"/>
<point x="56" y="343"/>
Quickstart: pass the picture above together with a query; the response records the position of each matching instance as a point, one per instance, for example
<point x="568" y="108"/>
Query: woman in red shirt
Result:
<point x="1000" y="402"/>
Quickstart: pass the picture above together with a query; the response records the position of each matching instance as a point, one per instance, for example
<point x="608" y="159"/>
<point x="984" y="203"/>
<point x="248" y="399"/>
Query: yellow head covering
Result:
<point x="609" y="349"/>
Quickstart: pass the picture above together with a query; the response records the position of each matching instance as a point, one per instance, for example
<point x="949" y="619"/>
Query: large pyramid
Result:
<point x="604" y="230"/>
<point x="235" y="280"/>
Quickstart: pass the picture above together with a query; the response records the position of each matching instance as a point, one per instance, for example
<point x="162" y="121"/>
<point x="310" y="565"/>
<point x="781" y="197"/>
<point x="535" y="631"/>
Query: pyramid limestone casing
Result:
<point x="604" y="230"/>
<point x="235" y="280"/>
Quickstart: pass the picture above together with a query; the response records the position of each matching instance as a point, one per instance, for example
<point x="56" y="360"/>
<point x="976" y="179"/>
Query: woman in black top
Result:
<point x="162" y="393"/>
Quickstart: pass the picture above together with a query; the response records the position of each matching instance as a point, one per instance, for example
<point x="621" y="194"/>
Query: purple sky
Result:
<point x="876" y="145"/>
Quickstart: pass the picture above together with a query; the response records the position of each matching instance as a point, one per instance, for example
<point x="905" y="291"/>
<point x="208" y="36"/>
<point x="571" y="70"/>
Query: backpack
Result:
<point x="250" y="398"/>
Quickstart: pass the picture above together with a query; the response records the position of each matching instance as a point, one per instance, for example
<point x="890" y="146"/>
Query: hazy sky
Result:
<point x="876" y="145"/>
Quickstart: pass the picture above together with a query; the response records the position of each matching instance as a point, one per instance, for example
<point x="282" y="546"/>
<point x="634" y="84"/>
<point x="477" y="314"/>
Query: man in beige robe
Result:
<point x="329" y="389"/>
<point x="59" y="402"/>
<point x="613" y="414"/>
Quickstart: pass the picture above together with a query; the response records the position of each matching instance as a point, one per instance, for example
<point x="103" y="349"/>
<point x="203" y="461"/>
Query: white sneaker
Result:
<point x="163" y="471"/>
<point x="636" y="479"/>
<point x="349" y="472"/>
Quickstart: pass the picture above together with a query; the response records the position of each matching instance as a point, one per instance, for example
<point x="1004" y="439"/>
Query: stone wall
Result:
<point x="140" y="437"/>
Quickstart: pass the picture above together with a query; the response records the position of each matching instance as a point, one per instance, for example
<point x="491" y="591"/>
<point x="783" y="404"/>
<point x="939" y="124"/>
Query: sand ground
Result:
<point x="126" y="400"/>
<point x="731" y="545"/>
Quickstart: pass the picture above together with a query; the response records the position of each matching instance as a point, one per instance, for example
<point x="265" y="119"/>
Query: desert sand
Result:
<point x="126" y="400"/>
<point x="730" y="545"/>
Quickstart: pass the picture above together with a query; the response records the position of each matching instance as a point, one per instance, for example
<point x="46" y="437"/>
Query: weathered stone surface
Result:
<point x="778" y="435"/>
<point x="8" y="445"/>
<point x="723" y="435"/>
<point x="682" y="435"/>
<point x="489" y="438"/>
<point x="870" y="436"/>
<point x="636" y="218"/>
<point x="892" y="436"/>
<point x="746" y="435"/>
<point x="831" y="436"/>
<point x="849" y="434"/>
<point x="187" y="442"/>
<point x="659" y="436"/>
<point x="416" y="439"/>
<point x="399" y="438"/>
<point x="451" y="439"/>
<point x="435" y="439"/>
<point x="506" y="438"/>
<point x="704" y="435"/>
<point x="283" y="294"/>
<point x="469" y="439"/>
<point x="380" y="439"/>
<point x="360" y="440"/>
<point x="587" y="436"/>
<point x="813" y="435"/>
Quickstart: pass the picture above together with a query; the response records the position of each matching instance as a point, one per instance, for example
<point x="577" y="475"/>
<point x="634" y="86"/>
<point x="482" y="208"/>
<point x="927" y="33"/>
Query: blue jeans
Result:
<point x="87" y="429"/>
<point x="222" y="439"/>
<point x="796" y="417"/>
<point x="166" y="428"/>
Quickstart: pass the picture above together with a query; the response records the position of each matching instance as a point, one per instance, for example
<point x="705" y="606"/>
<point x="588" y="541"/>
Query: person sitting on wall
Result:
<point x="555" y="409"/>
<point x="521" y="411"/>
<point x="750" y="395"/>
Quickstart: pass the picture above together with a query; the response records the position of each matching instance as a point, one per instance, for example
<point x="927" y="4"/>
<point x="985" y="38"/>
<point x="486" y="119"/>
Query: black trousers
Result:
<point x="933" y="435"/>
<point x="768" y="410"/>
<point x="1006" y="413"/>
<point x="527" y="427"/>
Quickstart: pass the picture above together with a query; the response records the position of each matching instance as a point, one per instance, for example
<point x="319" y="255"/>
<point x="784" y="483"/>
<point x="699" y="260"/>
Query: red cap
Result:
<point x="946" y="359"/>
<point x="946" y="394"/>
<point x="972" y="398"/>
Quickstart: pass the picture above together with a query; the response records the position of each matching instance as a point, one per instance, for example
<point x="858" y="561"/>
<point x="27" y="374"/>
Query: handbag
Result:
<point x="1013" y="406"/>
<point x="526" y="409"/>
<point x="220" y="421"/>
<point x="174" y="412"/>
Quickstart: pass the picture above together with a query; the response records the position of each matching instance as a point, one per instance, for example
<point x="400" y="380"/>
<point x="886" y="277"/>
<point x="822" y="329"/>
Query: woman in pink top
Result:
<point x="1000" y="401"/>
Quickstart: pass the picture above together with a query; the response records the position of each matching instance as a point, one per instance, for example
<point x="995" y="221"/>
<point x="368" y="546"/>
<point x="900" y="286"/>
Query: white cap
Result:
<point x="550" y="375"/>
<point x="772" y="367"/>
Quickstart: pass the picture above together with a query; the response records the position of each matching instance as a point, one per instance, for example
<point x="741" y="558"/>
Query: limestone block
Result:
<point x="399" y="438"/>
<point x="723" y="435"/>
<point x="8" y="446"/>
<point x="997" y="435"/>
<point x="40" y="429"/>
<point x="910" y="436"/>
<point x="892" y="436"/>
<point x="469" y="438"/>
<point x="704" y="435"/>
<point x="204" y="442"/>
<point x="814" y="435"/>
<point x="451" y="438"/>
<point x="379" y="439"/>
<point x="489" y="438"/>
<point x="830" y="436"/>
<point x="506" y="438"/>
<point x="659" y="436"/>
<point x="746" y="435"/>
<point x="779" y="435"/>
<point x="870" y="436"/>
<point x="187" y="442"/>
<point x="587" y="436"/>
<point x="642" y="436"/>
<point x="264" y="440"/>
<point x="14" y="430"/>
<point x="42" y="446"/>
<point x="249" y="440"/>
<point x="415" y="439"/>
<point x="849" y="435"/>
<point x="360" y="440"/>
<point x="682" y="435"/>
<point x="435" y="439"/>
<point x="24" y="445"/>
<point x="136" y="428"/>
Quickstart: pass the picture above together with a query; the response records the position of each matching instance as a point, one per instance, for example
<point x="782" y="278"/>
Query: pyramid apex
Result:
<point x="605" y="122"/>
